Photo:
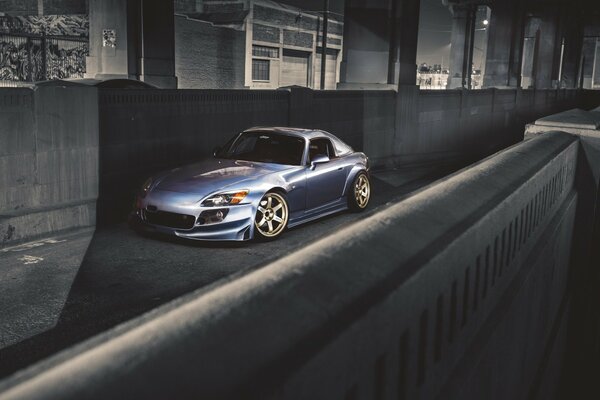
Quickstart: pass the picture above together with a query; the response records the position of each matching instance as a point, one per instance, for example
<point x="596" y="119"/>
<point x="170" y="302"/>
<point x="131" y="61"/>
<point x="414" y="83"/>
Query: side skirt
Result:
<point x="312" y="217"/>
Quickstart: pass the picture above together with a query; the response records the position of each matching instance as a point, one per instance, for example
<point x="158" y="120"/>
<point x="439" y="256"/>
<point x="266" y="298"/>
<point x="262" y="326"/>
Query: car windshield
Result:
<point x="265" y="147"/>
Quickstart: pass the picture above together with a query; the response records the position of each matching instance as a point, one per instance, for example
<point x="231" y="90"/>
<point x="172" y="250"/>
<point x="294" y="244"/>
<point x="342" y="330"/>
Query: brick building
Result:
<point x="258" y="44"/>
<point x="43" y="7"/>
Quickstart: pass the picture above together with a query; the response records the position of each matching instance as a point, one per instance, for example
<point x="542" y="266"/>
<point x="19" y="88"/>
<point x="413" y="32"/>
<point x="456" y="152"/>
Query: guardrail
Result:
<point x="462" y="282"/>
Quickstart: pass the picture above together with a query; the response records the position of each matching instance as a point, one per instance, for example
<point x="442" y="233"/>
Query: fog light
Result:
<point x="212" y="216"/>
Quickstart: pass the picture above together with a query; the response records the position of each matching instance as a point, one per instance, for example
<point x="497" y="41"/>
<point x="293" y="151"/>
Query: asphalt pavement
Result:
<point x="125" y="274"/>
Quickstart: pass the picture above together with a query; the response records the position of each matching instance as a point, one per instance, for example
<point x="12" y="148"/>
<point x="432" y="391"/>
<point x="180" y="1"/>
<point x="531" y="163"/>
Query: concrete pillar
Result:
<point x="517" y="38"/>
<point x="132" y="39"/>
<point x="588" y="60"/>
<point x="157" y="58"/>
<point x="402" y="67"/>
<point x="366" y="44"/>
<point x="546" y="64"/>
<point x="500" y="42"/>
<point x="591" y="54"/>
<point x="529" y="52"/>
<point x="573" y="40"/>
<point x="461" y="51"/>
<point x="380" y="44"/>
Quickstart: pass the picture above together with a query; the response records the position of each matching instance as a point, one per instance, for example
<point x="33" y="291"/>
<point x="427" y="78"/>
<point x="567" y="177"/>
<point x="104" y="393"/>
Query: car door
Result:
<point x="324" y="182"/>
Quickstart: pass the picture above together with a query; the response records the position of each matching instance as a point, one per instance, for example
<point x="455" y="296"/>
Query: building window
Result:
<point x="265" y="51"/>
<point x="260" y="70"/>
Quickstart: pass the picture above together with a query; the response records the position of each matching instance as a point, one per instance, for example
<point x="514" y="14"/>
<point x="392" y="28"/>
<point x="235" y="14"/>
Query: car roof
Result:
<point x="341" y="148"/>
<point x="305" y="133"/>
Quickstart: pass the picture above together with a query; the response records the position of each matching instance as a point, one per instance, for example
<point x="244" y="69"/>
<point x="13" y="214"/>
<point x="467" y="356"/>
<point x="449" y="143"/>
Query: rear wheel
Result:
<point x="271" y="216"/>
<point x="360" y="192"/>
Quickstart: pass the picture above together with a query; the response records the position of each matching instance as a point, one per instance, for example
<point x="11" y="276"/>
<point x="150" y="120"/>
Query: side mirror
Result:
<point x="318" y="159"/>
<point x="216" y="151"/>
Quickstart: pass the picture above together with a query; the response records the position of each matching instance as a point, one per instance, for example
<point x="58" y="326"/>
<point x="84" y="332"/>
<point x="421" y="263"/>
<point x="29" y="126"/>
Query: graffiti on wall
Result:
<point x="55" y="25"/>
<point x="34" y="48"/>
<point x="30" y="58"/>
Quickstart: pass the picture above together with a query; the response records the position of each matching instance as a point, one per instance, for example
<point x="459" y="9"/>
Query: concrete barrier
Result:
<point x="49" y="161"/>
<point x="584" y="320"/>
<point x="458" y="291"/>
<point x="143" y="131"/>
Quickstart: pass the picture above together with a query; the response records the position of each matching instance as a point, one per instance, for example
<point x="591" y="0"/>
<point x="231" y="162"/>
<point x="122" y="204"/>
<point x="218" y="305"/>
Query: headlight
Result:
<point x="225" y="199"/>
<point x="146" y="187"/>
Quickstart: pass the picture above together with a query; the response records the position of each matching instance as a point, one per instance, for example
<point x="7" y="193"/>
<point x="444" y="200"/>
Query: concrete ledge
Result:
<point x="28" y="224"/>
<point x="576" y="121"/>
<point x="575" y="118"/>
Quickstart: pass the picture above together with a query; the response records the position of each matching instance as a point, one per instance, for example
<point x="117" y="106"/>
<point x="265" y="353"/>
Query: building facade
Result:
<point x="256" y="44"/>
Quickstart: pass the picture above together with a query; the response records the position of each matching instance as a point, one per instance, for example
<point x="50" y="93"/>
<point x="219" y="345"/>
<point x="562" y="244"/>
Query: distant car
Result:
<point x="261" y="182"/>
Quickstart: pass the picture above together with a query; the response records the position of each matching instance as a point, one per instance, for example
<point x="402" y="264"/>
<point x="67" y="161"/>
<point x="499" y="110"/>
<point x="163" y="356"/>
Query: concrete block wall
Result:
<point x="143" y="131"/>
<point x="456" y="292"/>
<point x="349" y="115"/>
<point x="49" y="161"/>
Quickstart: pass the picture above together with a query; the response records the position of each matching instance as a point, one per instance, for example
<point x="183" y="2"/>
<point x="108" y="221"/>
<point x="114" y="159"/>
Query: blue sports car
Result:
<point x="261" y="182"/>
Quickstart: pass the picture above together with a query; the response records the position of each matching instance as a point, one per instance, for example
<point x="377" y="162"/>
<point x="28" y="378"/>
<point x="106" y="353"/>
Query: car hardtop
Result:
<point x="342" y="148"/>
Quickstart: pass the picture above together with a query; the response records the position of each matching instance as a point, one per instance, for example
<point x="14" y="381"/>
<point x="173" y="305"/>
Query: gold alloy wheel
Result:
<point x="362" y="191"/>
<point x="272" y="215"/>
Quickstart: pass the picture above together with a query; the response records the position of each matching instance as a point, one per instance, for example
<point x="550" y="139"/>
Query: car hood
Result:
<point x="210" y="175"/>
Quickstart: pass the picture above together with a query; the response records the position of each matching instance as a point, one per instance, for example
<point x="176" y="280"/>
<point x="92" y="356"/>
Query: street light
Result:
<point x="485" y="22"/>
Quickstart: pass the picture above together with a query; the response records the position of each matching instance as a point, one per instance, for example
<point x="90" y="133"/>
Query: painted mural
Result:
<point x="34" y="48"/>
<point x="55" y="25"/>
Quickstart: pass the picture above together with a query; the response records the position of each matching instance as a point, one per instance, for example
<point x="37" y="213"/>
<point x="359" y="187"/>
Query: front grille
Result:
<point x="172" y="220"/>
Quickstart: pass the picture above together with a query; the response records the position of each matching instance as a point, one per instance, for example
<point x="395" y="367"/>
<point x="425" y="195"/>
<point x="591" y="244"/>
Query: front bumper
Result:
<point x="237" y="223"/>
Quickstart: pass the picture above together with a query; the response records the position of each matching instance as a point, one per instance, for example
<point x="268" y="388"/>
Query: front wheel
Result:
<point x="360" y="192"/>
<point x="271" y="216"/>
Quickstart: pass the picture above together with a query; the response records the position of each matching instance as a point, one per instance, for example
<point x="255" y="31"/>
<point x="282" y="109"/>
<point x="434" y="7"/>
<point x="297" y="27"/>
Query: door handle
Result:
<point x="340" y="168"/>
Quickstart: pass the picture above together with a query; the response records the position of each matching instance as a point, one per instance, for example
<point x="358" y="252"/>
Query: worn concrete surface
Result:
<point x="576" y="121"/>
<point x="575" y="118"/>
<point x="48" y="161"/>
<point x="125" y="274"/>
<point x="36" y="280"/>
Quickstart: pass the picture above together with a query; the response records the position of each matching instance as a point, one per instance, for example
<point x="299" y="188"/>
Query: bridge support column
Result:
<point x="573" y="41"/>
<point x="402" y="69"/>
<point x="548" y="52"/>
<point x="591" y="54"/>
<point x="380" y="44"/>
<point x="502" y="27"/>
<point x="516" y="52"/>
<point x="461" y="53"/>
<point x="132" y="39"/>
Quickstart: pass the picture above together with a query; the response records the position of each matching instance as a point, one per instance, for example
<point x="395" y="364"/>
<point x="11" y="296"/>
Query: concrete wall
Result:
<point x="48" y="159"/>
<point x="207" y="56"/>
<point x="458" y="292"/>
<point x="144" y="131"/>
<point x="581" y="366"/>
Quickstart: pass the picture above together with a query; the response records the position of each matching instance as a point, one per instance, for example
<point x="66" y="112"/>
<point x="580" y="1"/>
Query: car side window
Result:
<point x="320" y="146"/>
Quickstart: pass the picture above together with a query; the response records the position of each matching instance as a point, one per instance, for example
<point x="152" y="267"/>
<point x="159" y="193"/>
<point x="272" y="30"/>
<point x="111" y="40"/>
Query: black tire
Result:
<point x="271" y="217"/>
<point x="359" y="194"/>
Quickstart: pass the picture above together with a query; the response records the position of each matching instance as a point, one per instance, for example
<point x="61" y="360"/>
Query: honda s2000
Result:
<point x="261" y="182"/>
